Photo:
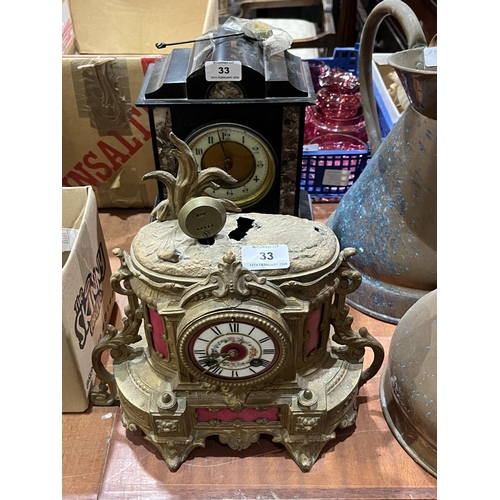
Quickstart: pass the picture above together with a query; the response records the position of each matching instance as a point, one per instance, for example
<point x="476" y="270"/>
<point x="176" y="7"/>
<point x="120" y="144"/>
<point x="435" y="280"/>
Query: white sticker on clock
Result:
<point x="265" y="257"/>
<point x="223" y="70"/>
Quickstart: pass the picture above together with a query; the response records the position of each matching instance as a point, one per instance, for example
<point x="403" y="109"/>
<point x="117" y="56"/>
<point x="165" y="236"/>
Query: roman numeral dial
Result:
<point x="234" y="350"/>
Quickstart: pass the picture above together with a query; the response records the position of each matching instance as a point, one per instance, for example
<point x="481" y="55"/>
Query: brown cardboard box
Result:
<point x="133" y="27"/>
<point x="87" y="296"/>
<point x="106" y="139"/>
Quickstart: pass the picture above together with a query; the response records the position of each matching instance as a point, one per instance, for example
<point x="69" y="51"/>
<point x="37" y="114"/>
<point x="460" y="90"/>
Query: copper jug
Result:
<point x="389" y="214"/>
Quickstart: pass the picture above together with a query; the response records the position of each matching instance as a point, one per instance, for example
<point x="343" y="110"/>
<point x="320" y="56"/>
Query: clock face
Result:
<point x="241" y="152"/>
<point x="235" y="348"/>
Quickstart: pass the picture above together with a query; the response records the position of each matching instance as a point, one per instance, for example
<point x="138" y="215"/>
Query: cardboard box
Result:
<point x="381" y="83"/>
<point x="87" y="296"/>
<point x="106" y="139"/>
<point x="132" y="27"/>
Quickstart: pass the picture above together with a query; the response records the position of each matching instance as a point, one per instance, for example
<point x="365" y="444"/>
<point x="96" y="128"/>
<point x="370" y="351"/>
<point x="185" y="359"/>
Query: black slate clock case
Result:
<point x="270" y="99"/>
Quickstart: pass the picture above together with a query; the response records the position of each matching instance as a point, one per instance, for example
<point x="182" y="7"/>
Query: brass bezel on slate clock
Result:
<point x="240" y="151"/>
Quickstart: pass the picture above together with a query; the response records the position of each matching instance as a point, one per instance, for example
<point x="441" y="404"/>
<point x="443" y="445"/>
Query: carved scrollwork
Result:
<point x="349" y="418"/>
<point x="122" y="274"/>
<point x="167" y="426"/>
<point x="142" y="285"/>
<point x="304" y="448"/>
<point x="350" y="279"/>
<point x="235" y="397"/>
<point x="214" y="422"/>
<point x="239" y="438"/>
<point x="316" y="292"/>
<point x="306" y="423"/>
<point x="351" y="344"/>
<point x="232" y="284"/>
<point x="127" y="423"/>
<point x="118" y="342"/>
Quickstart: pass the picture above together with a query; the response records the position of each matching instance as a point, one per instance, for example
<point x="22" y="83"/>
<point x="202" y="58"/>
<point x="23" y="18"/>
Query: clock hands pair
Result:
<point x="228" y="162"/>
<point x="231" y="353"/>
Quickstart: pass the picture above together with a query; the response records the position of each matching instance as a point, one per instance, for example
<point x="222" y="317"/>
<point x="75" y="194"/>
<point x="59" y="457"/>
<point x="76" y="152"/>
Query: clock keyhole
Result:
<point x="228" y="164"/>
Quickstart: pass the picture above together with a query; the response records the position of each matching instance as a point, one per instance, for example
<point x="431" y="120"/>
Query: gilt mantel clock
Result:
<point x="236" y="326"/>
<point x="238" y="108"/>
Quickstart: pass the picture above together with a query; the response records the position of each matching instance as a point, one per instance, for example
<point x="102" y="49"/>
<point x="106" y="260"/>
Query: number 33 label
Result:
<point x="265" y="257"/>
<point x="223" y="70"/>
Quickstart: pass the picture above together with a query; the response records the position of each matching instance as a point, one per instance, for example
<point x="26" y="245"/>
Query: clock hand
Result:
<point x="228" y="162"/>
<point x="232" y="353"/>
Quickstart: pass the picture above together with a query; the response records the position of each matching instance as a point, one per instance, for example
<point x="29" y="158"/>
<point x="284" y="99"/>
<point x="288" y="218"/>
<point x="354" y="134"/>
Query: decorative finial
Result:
<point x="189" y="183"/>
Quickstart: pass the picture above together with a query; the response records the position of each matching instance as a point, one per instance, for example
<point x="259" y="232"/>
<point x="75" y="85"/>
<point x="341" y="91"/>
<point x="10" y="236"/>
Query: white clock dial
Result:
<point x="234" y="350"/>
<point x="241" y="152"/>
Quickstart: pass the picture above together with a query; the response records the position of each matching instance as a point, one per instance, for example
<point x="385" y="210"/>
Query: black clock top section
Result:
<point x="182" y="74"/>
<point x="233" y="49"/>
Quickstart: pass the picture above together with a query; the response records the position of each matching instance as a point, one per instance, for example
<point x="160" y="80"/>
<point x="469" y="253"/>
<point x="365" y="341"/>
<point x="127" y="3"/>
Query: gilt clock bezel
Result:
<point x="198" y="327"/>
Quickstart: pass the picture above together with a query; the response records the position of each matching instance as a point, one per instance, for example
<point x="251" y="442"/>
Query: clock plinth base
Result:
<point x="301" y="416"/>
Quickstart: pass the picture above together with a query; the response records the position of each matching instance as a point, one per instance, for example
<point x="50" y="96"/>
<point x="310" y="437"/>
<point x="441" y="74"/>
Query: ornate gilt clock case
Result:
<point x="228" y="351"/>
<point x="252" y="126"/>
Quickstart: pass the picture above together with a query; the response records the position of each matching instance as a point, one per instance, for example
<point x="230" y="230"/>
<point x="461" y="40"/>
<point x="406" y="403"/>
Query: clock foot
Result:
<point x="176" y="451"/>
<point x="304" y="449"/>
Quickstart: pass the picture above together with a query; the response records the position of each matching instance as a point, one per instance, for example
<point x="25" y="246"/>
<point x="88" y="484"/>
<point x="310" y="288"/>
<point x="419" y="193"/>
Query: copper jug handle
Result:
<point x="415" y="37"/>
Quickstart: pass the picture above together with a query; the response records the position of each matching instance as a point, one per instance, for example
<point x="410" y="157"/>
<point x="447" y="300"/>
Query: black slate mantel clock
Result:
<point x="238" y="109"/>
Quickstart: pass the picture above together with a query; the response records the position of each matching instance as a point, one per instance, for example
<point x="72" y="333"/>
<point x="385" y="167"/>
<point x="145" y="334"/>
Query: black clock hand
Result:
<point x="232" y="353"/>
<point x="228" y="162"/>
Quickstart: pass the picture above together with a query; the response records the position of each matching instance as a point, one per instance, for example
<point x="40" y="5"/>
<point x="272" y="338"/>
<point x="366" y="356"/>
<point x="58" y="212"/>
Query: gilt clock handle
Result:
<point x="378" y="356"/>
<point x="352" y="343"/>
<point x="105" y="393"/>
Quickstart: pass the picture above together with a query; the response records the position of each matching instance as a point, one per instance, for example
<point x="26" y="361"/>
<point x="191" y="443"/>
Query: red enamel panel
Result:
<point x="158" y="332"/>
<point x="247" y="415"/>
